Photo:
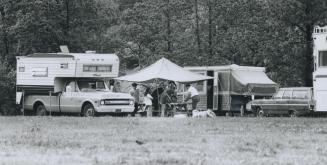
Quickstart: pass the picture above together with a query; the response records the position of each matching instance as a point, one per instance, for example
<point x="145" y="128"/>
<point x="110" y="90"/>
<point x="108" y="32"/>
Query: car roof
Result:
<point x="295" y="88"/>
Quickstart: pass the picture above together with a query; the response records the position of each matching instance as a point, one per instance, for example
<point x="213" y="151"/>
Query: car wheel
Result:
<point x="260" y="112"/>
<point x="88" y="110"/>
<point x="40" y="110"/>
<point x="293" y="114"/>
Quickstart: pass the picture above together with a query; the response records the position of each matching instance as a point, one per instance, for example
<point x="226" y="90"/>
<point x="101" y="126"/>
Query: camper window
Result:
<point x="64" y="65"/>
<point x="97" y="68"/>
<point x="40" y="72"/>
<point x="21" y="69"/>
<point x="322" y="58"/>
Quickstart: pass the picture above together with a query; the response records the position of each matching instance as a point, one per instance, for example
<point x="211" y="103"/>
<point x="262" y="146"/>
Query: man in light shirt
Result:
<point x="193" y="94"/>
<point x="135" y="92"/>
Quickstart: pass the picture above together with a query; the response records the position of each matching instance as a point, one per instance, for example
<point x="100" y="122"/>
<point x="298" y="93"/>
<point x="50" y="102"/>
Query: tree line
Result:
<point x="275" y="34"/>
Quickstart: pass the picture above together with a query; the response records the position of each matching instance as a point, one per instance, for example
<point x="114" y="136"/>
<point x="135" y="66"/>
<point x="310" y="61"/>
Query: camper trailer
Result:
<point x="69" y="83"/>
<point x="232" y="87"/>
<point x="320" y="68"/>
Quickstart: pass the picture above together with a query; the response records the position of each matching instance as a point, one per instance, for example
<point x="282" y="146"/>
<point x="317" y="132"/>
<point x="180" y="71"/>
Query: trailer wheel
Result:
<point x="40" y="110"/>
<point x="88" y="110"/>
<point x="260" y="112"/>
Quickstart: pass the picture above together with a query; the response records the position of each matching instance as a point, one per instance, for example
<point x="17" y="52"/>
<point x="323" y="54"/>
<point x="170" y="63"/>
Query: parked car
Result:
<point x="293" y="101"/>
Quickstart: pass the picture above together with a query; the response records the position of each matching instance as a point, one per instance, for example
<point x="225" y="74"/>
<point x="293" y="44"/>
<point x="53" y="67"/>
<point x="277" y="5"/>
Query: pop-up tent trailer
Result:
<point x="232" y="87"/>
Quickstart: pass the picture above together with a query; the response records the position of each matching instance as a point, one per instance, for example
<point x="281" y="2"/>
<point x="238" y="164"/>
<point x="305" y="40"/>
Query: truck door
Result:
<point x="68" y="97"/>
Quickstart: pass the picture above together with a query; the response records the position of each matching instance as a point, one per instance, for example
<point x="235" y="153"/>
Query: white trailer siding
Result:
<point x="41" y="70"/>
<point x="320" y="68"/>
<point x="28" y="77"/>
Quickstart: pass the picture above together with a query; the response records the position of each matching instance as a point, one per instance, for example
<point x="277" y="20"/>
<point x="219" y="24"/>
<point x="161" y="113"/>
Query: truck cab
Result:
<point x="78" y="93"/>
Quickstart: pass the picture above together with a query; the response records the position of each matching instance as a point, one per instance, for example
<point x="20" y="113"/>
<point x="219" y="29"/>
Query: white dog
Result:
<point x="200" y="114"/>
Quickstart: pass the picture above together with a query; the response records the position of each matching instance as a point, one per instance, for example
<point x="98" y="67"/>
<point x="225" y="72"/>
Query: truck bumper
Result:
<point x="114" y="109"/>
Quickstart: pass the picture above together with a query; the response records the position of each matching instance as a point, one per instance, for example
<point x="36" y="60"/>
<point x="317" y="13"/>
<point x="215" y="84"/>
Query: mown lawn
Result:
<point x="114" y="140"/>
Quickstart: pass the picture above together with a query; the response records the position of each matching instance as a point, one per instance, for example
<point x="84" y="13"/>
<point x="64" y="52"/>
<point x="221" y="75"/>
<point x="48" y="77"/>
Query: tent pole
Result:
<point x="159" y="106"/>
<point x="229" y="89"/>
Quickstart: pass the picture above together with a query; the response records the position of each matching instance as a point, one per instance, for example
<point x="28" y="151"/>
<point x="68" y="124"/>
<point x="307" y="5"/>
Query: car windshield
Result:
<point x="89" y="86"/>
<point x="279" y="94"/>
<point x="300" y="94"/>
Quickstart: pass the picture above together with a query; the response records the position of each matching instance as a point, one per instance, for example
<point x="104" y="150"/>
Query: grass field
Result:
<point x="109" y="140"/>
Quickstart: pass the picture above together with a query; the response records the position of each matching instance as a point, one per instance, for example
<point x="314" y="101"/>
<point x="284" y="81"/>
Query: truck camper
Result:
<point x="70" y="83"/>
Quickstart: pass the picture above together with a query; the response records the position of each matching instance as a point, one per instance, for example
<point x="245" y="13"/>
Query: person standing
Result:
<point x="111" y="85"/>
<point x="192" y="94"/>
<point x="148" y="102"/>
<point x="165" y="99"/>
<point x="136" y="94"/>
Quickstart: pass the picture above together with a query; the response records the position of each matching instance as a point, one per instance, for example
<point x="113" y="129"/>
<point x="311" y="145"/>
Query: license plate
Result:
<point x="118" y="110"/>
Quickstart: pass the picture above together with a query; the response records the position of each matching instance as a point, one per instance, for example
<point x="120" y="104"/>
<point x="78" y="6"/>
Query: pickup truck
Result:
<point x="85" y="96"/>
<point x="292" y="101"/>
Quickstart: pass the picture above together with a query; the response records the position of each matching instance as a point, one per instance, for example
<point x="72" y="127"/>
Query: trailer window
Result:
<point x="64" y="65"/>
<point x="40" y="72"/>
<point x="21" y="69"/>
<point x="322" y="58"/>
<point x="97" y="68"/>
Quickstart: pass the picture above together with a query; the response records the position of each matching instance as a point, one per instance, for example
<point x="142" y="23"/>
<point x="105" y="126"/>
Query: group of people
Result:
<point x="166" y="96"/>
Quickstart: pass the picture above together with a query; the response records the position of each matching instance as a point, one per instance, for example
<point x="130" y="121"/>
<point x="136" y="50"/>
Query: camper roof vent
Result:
<point x="90" y="52"/>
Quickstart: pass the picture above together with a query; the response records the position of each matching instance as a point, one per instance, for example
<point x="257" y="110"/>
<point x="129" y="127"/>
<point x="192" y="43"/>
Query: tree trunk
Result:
<point x="67" y="21"/>
<point x="197" y="30"/>
<point x="169" y="47"/>
<point x="210" y="26"/>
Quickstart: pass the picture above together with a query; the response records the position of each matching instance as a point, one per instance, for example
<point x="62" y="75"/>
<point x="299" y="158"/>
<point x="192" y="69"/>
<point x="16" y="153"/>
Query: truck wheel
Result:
<point x="40" y="110"/>
<point x="260" y="112"/>
<point x="88" y="110"/>
<point x="293" y="114"/>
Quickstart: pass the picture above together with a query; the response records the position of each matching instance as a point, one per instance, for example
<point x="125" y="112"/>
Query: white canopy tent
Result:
<point x="164" y="69"/>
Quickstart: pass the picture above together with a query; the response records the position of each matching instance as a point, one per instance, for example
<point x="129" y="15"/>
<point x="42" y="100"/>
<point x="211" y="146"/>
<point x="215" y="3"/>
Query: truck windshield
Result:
<point x="88" y="86"/>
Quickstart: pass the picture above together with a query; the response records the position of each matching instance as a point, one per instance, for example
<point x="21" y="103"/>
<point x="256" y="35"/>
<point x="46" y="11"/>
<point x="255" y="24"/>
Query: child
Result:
<point x="148" y="102"/>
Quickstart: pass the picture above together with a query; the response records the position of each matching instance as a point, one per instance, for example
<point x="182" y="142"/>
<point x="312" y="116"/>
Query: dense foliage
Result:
<point x="275" y="34"/>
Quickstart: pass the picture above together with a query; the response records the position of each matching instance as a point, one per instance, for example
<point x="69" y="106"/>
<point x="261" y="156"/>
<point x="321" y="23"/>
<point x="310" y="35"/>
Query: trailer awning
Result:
<point x="247" y="82"/>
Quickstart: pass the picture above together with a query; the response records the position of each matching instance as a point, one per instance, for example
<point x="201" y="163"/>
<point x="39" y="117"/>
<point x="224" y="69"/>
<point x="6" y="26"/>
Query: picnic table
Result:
<point x="178" y="108"/>
<point x="172" y="109"/>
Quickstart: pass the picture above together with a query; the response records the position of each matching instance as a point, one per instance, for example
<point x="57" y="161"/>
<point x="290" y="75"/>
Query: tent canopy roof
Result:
<point x="166" y="70"/>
